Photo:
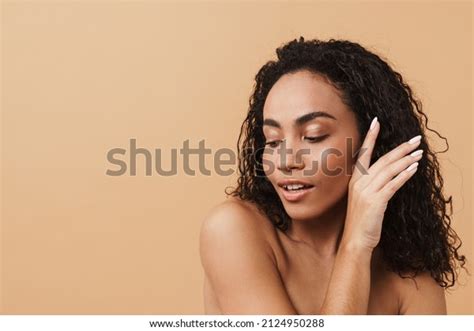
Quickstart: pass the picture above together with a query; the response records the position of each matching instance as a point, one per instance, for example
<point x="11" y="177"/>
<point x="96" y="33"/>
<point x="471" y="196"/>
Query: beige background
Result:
<point x="82" y="77"/>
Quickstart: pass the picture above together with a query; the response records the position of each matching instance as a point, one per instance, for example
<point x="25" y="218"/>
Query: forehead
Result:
<point x="298" y="93"/>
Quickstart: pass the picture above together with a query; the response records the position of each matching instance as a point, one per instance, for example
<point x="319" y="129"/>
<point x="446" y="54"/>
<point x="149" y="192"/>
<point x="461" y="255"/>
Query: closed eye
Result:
<point x="316" y="139"/>
<point x="273" y="143"/>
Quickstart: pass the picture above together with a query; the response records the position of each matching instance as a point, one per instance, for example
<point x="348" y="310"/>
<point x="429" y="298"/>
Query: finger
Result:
<point x="395" y="154"/>
<point x="384" y="176"/>
<point x="394" y="185"/>
<point x="365" y="152"/>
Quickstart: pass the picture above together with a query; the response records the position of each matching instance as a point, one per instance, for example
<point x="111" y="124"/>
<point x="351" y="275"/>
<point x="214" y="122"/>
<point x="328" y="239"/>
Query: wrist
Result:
<point x="354" y="247"/>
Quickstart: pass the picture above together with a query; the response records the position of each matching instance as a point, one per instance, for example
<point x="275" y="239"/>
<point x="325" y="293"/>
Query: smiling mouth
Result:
<point x="296" y="187"/>
<point x="296" y="192"/>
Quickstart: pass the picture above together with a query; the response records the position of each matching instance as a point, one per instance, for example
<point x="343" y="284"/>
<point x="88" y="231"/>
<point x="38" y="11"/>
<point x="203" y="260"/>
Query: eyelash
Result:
<point x="312" y="140"/>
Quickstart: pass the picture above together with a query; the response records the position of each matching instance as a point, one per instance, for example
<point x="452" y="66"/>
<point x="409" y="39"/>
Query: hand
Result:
<point x="369" y="193"/>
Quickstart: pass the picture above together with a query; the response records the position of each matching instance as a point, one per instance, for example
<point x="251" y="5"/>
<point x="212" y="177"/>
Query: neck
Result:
<point x="323" y="233"/>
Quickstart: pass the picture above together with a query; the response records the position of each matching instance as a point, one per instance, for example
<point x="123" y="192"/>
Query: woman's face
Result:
<point x="302" y="106"/>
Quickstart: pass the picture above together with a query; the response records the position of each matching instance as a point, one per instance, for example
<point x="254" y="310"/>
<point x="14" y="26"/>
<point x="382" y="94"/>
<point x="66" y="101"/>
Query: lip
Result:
<point x="284" y="182"/>
<point x="296" y="195"/>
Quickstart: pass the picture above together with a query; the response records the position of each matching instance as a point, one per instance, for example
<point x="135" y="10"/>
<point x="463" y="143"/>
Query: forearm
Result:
<point x="349" y="286"/>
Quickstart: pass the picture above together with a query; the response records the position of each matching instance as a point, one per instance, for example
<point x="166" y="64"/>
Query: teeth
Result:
<point x="293" y="187"/>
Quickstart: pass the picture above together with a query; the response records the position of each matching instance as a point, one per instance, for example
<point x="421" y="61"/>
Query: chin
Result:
<point x="302" y="212"/>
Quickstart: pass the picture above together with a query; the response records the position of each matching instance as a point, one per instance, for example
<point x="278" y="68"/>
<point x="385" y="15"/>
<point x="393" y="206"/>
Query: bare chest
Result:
<point x="306" y="276"/>
<point x="306" y="279"/>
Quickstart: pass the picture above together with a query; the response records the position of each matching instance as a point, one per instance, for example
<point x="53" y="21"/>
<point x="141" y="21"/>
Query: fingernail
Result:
<point x="414" y="139"/>
<point x="372" y="125"/>
<point x="412" y="166"/>
<point x="417" y="152"/>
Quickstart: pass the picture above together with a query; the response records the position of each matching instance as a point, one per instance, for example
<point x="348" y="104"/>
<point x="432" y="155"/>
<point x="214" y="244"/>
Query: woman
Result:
<point x="339" y="206"/>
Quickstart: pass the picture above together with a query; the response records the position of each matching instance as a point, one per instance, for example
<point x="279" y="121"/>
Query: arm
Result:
<point x="425" y="296"/>
<point x="349" y="287"/>
<point x="368" y="196"/>
<point x="238" y="262"/>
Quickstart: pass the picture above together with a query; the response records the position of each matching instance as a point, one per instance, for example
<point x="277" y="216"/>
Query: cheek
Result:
<point x="337" y="169"/>
<point x="269" y="165"/>
<point x="333" y="182"/>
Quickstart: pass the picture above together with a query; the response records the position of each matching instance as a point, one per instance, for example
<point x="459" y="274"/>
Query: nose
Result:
<point x="289" y="158"/>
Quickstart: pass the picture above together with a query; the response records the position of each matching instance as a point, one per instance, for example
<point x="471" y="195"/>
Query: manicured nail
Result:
<point x="372" y="125"/>
<point x="412" y="166"/>
<point x="414" y="140"/>
<point x="417" y="152"/>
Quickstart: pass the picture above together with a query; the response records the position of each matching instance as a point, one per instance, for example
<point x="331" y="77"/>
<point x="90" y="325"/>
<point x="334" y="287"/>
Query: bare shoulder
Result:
<point x="420" y="295"/>
<point x="237" y="216"/>
<point x="238" y="261"/>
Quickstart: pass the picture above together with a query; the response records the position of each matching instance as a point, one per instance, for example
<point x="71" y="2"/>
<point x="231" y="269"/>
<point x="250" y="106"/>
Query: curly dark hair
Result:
<point x="416" y="233"/>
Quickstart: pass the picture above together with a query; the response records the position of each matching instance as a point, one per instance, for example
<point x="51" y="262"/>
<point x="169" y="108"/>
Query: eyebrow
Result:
<point x="300" y="120"/>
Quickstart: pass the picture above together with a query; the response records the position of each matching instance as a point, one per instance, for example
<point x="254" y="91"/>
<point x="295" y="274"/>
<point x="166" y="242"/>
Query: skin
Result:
<point x="319" y="220"/>
<point x="327" y="262"/>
